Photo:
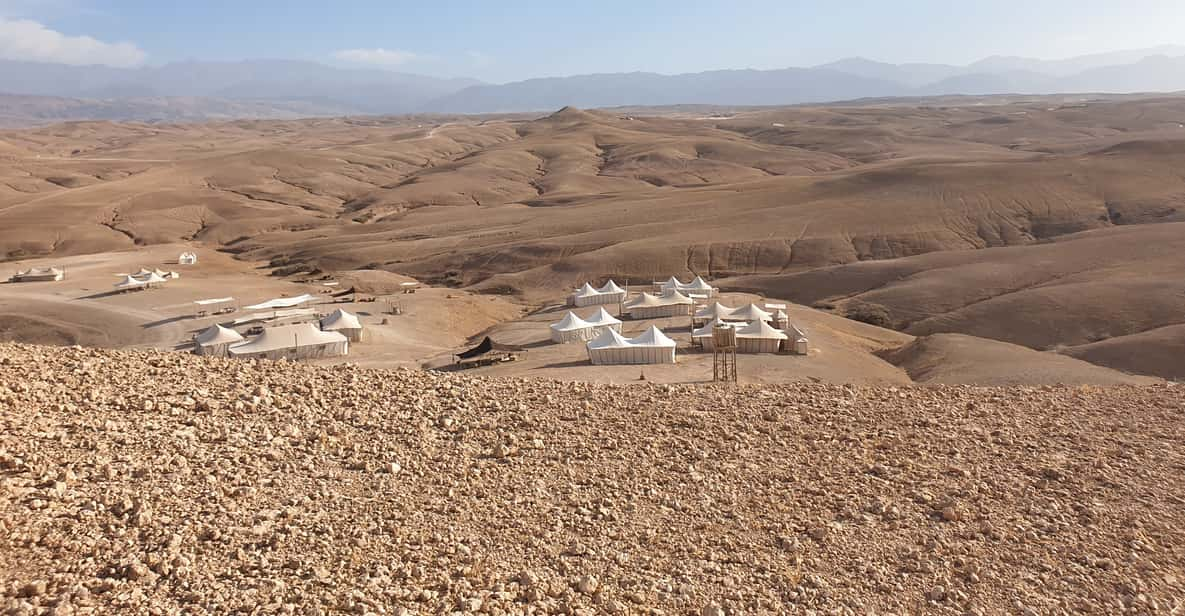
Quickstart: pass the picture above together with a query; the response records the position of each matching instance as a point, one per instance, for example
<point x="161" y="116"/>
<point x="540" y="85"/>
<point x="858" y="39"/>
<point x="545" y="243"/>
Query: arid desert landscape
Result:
<point x="984" y="416"/>
<point x="1023" y="240"/>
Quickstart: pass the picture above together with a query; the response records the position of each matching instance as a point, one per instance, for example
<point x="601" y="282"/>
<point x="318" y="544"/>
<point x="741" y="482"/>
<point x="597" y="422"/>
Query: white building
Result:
<point x="586" y="295"/>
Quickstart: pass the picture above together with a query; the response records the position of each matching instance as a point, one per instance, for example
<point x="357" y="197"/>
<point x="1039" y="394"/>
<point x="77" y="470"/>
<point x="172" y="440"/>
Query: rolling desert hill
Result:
<point x="1040" y="222"/>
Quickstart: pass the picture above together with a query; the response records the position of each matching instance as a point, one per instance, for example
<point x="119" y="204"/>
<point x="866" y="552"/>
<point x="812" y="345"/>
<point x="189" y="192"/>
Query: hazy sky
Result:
<point x="508" y="40"/>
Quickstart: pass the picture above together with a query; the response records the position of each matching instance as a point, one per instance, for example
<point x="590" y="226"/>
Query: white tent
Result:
<point x="40" y="274"/>
<point x="651" y="347"/>
<point x="759" y="337"/>
<point x="303" y="341"/>
<point x="602" y="319"/>
<point x="282" y="302"/>
<point x="698" y="286"/>
<point x="344" y="323"/>
<point x="781" y="320"/>
<point x="153" y="278"/>
<point x="128" y="283"/>
<point x="669" y="304"/>
<point x="142" y="273"/>
<point x="586" y="295"/>
<point x="216" y="300"/>
<point x="215" y="341"/>
<point x="712" y="312"/>
<point x="187" y="258"/>
<point x="799" y="340"/>
<point x="750" y="313"/>
<point x="572" y="329"/>
<point x="703" y="335"/>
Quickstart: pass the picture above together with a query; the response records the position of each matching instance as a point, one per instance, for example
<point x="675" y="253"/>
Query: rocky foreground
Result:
<point x="160" y="483"/>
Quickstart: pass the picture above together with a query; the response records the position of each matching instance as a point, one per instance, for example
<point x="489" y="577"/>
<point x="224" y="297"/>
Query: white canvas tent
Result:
<point x="212" y="301"/>
<point x="669" y="304"/>
<point x="601" y="319"/>
<point x="281" y="302"/>
<point x="571" y="328"/>
<point x="759" y="337"/>
<point x="215" y="341"/>
<point x="303" y="341"/>
<point x="187" y="258"/>
<point x="752" y="312"/>
<point x="344" y="323"/>
<point x="40" y="274"/>
<point x="129" y="283"/>
<point x="798" y="339"/>
<point x="698" y="286"/>
<point x="703" y="335"/>
<point x="651" y="347"/>
<point x="586" y="295"/>
<point x="153" y="278"/>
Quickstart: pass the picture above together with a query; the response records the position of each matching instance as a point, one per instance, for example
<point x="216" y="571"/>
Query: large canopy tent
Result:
<point x="759" y="337"/>
<point x="698" y="286"/>
<point x="571" y="328"/>
<point x="129" y="283"/>
<point x="703" y="335"/>
<point x="215" y="341"/>
<point x="302" y="341"/>
<point x="669" y="304"/>
<point x="344" y="323"/>
<point x="39" y="274"/>
<point x="651" y="347"/>
<point x="280" y="302"/>
<point x="727" y="313"/>
<point x="601" y="319"/>
<point x="586" y="295"/>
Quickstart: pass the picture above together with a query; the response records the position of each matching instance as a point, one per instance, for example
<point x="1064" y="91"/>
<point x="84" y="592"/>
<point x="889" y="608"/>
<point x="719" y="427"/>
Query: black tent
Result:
<point x="488" y="346"/>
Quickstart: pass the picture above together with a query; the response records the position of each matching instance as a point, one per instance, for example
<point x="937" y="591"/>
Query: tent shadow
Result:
<point x="537" y="344"/>
<point x="175" y="319"/>
<point x="565" y="364"/>
<point x="102" y="294"/>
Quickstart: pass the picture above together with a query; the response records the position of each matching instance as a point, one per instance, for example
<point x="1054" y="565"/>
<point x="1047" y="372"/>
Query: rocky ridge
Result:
<point x="154" y="483"/>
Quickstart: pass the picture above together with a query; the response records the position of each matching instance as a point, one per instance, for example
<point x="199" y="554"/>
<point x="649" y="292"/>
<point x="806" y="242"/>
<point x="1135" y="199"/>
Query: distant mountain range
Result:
<point x="288" y="88"/>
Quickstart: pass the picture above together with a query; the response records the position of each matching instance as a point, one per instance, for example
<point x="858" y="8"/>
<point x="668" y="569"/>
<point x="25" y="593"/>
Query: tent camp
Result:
<point x="215" y="341"/>
<point x="571" y="328"/>
<point x="669" y="304"/>
<point x="651" y="347"/>
<point x="187" y="258"/>
<point x="759" y="337"/>
<point x="698" y="286"/>
<point x="303" y="341"/>
<point x="281" y="302"/>
<point x="129" y="284"/>
<point x="39" y="274"/>
<point x="344" y="323"/>
<point x="586" y="295"/>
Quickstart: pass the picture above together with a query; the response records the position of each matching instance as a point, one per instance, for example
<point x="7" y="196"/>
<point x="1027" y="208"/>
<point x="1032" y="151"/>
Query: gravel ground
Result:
<point x="158" y="483"/>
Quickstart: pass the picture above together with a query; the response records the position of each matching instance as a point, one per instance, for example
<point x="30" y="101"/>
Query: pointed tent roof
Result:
<point x="750" y="313"/>
<point x="217" y="334"/>
<point x="585" y="291"/>
<point x="602" y="318"/>
<point x="340" y="319"/>
<point x="715" y="311"/>
<point x="652" y="337"/>
<point x="153" y="278"/>
<point x="128" y="282"/>
<point x="706" y="330"/>
<point x="570" y="322"/>
<point x="609" y="339"/>
<point x="143" y="272"/>
<point x="644" y="299"/>
<point x="611" y="287"/>
<point x="760" y="329"/>
<point x="782" y="316"/>
<point x="673" y="296"/>
<point x="160" y="272"/>
<point x="698" y="285"/>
